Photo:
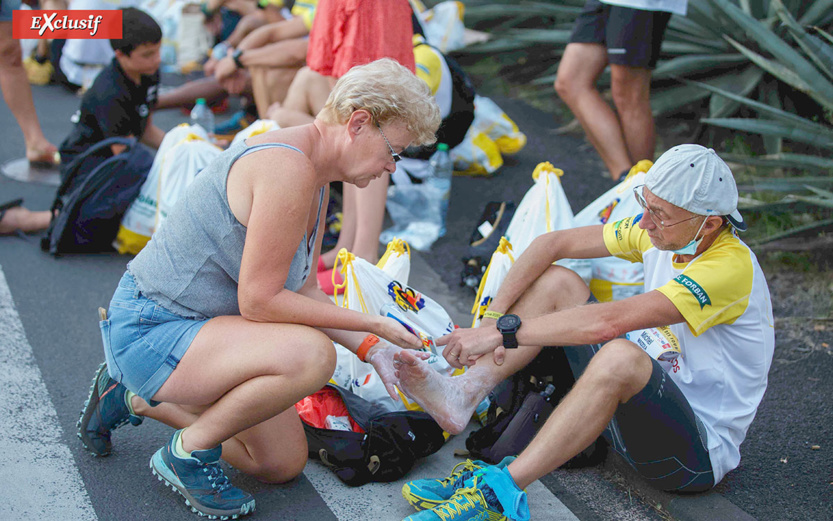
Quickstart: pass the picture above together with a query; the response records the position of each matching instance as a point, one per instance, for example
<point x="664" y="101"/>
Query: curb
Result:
<point x="705" y="506"/>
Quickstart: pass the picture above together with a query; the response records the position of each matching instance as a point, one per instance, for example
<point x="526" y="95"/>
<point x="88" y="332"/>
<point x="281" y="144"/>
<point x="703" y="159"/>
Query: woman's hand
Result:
<point x="465" y="346"/>
<point x="395" y="333"/>
<point x="381" y="357"/>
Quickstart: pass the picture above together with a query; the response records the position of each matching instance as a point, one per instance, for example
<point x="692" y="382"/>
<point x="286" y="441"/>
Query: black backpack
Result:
<point x="521" y="404"/>
<point x="96" y="190"/>
<point x="386" y="451"/>
<point x="498" y="214"/>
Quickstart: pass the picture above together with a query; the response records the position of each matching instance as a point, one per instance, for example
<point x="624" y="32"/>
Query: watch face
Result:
<point x="508" y="322"/>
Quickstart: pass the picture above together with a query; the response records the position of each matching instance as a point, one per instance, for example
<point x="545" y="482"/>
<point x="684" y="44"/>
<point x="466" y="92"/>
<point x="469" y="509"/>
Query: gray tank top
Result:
<point x="192" y="264"/>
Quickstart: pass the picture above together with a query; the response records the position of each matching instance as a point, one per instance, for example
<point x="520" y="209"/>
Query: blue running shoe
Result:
<point x="104" y="411"/>
<point x="237" y="122"/>
<point x="489" y="494"/>
<point x="424" y="494"/>
<point x="201" y="481"/>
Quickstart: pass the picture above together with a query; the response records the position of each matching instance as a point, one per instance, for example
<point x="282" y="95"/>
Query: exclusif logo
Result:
<point x="67" y="24"/>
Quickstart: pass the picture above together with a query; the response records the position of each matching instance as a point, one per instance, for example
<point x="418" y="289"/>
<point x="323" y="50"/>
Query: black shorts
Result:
<point x="656" y="431"/>
<point x="632" y="36"/>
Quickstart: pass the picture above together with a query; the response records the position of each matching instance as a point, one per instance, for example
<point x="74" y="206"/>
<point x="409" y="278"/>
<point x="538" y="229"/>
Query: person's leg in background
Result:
<point x="634" y="38"/>
<point x="578" y="71"/>
<point x="17" y="92"/>
<point x="631" y="90"/>
<point x="306" y="96"/>
<point x="271" y="83"/>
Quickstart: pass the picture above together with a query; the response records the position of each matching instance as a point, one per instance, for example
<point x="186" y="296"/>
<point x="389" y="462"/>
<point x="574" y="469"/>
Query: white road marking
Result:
<point x="38" y="477"/>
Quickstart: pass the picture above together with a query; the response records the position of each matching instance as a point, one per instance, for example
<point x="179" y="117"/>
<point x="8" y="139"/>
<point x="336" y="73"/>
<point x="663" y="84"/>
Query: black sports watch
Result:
<point x="236" y="57"/>
<point x="508" y="325"/>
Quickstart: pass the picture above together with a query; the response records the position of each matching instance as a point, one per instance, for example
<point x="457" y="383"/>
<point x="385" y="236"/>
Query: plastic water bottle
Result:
<point x="442" y="168"/>
<point x="201" y="115"/>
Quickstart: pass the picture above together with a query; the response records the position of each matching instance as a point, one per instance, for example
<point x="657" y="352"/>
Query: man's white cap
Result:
<point x="696" y="179"/>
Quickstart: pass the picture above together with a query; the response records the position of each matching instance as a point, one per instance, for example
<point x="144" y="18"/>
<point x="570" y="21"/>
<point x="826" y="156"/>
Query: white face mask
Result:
<point x="691" y="247"/>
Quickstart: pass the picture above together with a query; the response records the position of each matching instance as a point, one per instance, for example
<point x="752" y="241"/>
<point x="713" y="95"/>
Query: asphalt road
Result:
<point x="55" y="302"/>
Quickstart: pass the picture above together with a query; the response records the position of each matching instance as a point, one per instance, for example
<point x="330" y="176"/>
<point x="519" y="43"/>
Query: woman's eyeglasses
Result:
<point x="396" y="157"/>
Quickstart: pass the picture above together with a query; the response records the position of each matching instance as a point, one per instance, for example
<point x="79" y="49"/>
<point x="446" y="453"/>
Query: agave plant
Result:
<point x="725" y="57"/>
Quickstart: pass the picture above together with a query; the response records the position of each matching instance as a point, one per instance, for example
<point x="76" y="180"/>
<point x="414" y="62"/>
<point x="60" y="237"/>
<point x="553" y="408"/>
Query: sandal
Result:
<point x="47" y="160"/>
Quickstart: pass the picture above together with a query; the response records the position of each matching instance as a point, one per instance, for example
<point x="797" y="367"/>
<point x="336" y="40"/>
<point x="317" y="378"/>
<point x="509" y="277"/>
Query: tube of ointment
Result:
<point x="659" y="342"/>
<point x="392" y="311"/>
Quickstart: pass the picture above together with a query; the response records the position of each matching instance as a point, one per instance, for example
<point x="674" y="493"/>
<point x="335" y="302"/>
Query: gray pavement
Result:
<point x="50" y="346"/>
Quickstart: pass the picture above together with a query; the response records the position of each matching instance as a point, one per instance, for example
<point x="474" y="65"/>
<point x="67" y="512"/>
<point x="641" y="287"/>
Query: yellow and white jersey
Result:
<point x="728" y="337"/>
<point x="306" y="10"/>
<point x="302" y="8"/>
<point x="433" y="70"/>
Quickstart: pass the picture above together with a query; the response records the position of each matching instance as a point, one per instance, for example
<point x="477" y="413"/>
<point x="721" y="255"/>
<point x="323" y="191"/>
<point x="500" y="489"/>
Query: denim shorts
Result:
<point x="6" y="8"/>
<point x="143" y="341"/>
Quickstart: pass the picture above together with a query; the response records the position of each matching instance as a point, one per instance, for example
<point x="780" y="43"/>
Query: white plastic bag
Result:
<point x="443" y="26"/>
<point x="499" y="266"/>
<point x="258" y="127"/>
<point x="141" y="218"/>
<point x="192" y="36"/>
<point x="491" y="135"/>
<point x="179" y="169"/>
<point x="543" y="209"/>
<point x="369" y="289"/>
<point x="396" y="261"/>
<point x="613" y="278"/>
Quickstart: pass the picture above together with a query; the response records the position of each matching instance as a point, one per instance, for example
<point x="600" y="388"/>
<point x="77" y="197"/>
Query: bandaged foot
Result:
<point x="449" y="400"/>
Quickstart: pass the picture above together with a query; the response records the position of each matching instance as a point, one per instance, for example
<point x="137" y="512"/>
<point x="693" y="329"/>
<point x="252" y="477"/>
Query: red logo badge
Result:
<point x="67" y="24"/>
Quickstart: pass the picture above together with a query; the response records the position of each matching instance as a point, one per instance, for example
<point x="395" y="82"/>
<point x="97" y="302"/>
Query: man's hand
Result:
<point x="465" y="346"/>
<point x="236" y="83"/>
<point x="210" y="66"/>
<point x="395" y="333"/>
<point x="381" y="357"/>
<point x="224" y="68"/>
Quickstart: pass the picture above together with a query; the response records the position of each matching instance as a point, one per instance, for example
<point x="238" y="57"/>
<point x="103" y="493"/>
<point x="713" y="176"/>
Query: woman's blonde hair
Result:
<point x="389" y="92"/>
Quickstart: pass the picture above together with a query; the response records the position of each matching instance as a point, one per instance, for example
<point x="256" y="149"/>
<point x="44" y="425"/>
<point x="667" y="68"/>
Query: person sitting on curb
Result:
<point x="272" y="54"/>
<point x="217" y="329"/>
<point x="117" y="105"/>
<point x="680" y="423"/>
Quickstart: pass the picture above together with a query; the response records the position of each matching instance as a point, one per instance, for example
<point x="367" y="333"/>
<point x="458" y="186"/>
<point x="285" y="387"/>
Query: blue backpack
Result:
<point x="96" y="190"/>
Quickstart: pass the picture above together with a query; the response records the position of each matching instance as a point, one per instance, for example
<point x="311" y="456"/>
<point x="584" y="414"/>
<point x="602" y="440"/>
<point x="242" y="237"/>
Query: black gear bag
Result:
<point x="96" y="190"/>
<point x="385" y="451"/>
<point x="521" y="404"/>
<point x="497" y="214"/>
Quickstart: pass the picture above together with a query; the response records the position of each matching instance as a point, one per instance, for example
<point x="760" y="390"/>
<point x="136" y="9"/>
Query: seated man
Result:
<point x="272" y="54"/>
<point x="120" y="100"/>
<point x="679" y="424"/>
<point x="259" y="64"/>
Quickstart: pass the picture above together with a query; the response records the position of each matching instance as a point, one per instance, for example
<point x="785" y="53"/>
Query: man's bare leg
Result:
<point x="452" y="401"/>
<point x="349" y="200"/>
<point x="186" y="95"/>
<point x="306" y="96"/>
<point x="270" y="85"/>
<point x="580" y="67"/>
<point x="370" y="216"/>
<point x="631" y="89"/>
<point x="615" y="374"/>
